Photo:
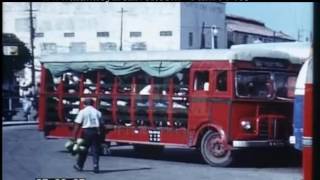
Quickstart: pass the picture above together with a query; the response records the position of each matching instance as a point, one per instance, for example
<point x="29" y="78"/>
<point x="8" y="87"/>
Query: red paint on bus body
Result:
<point x="307" y="133"/>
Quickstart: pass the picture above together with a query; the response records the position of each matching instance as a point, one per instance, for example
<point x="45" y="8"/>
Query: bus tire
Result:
<point x="214" y="151"/>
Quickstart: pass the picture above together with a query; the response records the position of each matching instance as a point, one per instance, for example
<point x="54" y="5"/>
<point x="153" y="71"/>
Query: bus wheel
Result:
<point x="214" y="151"/>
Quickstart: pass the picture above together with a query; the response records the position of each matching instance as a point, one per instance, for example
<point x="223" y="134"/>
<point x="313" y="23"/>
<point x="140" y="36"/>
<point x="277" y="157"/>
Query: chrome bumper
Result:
<point x="257" y="143"/>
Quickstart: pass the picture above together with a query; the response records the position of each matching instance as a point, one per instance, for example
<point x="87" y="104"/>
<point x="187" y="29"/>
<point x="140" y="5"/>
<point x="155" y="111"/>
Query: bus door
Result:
<point x="199" y="97"/>
<point x="220" y="102"/>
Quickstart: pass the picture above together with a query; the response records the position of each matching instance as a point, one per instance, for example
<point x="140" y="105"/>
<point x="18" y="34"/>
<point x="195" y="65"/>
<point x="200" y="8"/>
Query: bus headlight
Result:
<point x="246" y="125"/>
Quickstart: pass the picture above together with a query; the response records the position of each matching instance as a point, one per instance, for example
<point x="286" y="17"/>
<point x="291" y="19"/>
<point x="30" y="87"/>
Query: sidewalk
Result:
<point x="17" y="123"/>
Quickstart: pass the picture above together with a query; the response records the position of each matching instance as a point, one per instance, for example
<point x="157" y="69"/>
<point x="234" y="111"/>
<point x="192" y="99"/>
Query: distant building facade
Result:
<point x="94" y="27"/>
<point x="70" y="27"/>
<point x="246" y="31"/>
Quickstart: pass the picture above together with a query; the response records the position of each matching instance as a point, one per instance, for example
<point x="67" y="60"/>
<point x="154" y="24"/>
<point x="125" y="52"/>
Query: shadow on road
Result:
<point x="264" y="158"/>
<point x="261" y="158"/>
<point x="173" y="155"/>
<point x="268" y="158"/>
<point x="118" y="170"/>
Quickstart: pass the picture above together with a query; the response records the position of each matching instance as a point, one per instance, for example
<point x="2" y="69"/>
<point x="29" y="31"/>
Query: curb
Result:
<point x="19" y="123"/>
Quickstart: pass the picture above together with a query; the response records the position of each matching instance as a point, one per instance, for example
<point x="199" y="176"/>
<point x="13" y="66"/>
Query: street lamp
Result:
<point x="214" y="32"/>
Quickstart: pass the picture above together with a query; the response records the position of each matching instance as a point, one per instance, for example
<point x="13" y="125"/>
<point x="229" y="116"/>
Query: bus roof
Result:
<point x="301" y="50"/>
<point x="305" y="76"/>
<point x="173" y="55"/>
<point x="155" y="63"/>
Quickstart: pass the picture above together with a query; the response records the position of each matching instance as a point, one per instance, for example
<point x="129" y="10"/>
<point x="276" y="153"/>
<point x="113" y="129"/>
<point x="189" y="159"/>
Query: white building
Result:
<point x="91" y="27"/>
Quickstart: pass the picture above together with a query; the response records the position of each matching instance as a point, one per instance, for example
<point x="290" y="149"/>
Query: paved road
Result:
<point x="27" y="155"/>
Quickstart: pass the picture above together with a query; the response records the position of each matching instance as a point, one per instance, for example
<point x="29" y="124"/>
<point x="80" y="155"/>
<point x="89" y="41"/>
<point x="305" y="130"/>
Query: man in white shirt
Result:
<point x="89" y="120"/>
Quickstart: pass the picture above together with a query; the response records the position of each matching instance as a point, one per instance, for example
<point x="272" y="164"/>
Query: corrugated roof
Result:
<point x="244" y="19"/>
<point x="251" y="26"/>
<point x="284" y="36"/>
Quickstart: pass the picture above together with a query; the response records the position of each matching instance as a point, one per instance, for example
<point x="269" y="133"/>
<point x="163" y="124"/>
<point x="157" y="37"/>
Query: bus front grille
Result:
<point x="273" y="129"/>
<point x="263" y="129"/>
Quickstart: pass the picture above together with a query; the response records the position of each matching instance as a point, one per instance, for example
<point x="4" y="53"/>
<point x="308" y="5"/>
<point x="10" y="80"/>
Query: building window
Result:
<point x="190" y="39"/>
<point x="245" y="39"/>
<point x="138" y="46"/>
<point x="39" y="34"/>
<point x="108" y="46"/>
<point x="69" y="34"/>
<point x="135" y="34"/>
<point x="78" y="47"/>
<point x="203" y="41"/>
<point x="102" y="34"/>
<point x="48" y="48"/>
<point x="201" y="81"/>
<point x="165" y="33"/>
<point x="215" y="39"/>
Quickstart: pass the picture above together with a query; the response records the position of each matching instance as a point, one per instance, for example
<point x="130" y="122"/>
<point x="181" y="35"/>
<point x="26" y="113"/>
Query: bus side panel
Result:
<point x="242" y="111"/>
<point x="145" y="135"/>
<point x="307" y="133"/>
<point x="298" y="120"/>
<point x="220" y="114"/>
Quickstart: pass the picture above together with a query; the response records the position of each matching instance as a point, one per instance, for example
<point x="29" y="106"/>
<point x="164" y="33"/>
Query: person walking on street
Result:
<point x="89" y="119"/>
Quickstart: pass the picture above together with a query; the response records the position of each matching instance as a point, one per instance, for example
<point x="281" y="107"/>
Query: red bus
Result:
<point x="305" y="117"/>
<point x="215" y="100"/>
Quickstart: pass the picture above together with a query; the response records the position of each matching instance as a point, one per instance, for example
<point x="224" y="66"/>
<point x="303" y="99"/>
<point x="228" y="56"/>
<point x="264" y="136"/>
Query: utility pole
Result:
<point x="32" y="31"/>
<point x="34" y="100"/>
<point x="299" y="34"/>
<point x="121" y="28"/>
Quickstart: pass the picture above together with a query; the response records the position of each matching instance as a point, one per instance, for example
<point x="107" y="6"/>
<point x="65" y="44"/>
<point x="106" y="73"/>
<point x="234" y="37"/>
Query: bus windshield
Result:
<point x="264" y="85"/>
<point x="254" y="84"/>
<point x="284" y="85"/>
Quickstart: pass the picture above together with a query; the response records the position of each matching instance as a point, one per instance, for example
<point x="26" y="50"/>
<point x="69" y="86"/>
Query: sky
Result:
<point x="288" y="17"/>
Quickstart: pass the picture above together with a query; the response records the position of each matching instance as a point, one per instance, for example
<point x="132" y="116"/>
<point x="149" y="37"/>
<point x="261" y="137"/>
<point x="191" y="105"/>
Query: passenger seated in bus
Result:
<point x="70" y="82"/>
<point x="178" y="106"/>
<point x="222" y="81"/>
<point x="201" y="81"/>
<point x="282" y="92"/>
<point x="285" y="87"/>
<point x="144" y="92"/>
<point x="259" y="89"/>
<point x="160" y="103"/>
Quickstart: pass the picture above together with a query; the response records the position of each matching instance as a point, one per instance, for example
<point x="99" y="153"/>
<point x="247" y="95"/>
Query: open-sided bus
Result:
<point x="214" y="100"/>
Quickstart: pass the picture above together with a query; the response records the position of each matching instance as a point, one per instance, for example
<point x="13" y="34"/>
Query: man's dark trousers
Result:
<point x="92" y="139"/>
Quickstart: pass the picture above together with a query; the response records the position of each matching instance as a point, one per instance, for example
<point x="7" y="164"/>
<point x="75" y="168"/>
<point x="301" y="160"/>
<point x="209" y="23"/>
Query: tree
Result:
<point x="13" y="60"/>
